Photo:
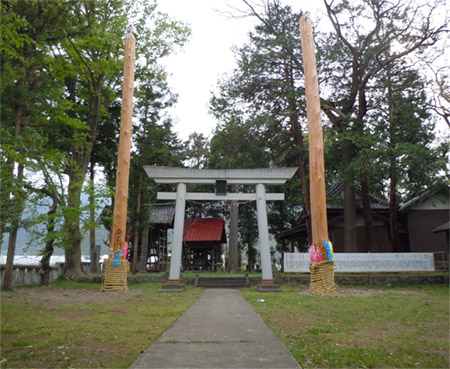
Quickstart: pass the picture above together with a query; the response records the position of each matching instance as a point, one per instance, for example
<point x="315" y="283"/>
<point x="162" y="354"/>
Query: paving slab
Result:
<point x="220" y="330"/>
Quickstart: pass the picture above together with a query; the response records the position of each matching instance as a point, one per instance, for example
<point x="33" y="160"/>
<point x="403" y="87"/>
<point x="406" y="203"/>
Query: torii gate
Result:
<point x="184" y="176"/>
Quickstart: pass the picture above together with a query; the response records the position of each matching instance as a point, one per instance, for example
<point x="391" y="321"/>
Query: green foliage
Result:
<point x="63" y="61"/>
<point x="406" y="132"/>
<point x="196" y="150"/>
<point x="262" y="103"/>
<point x="261" y="112"/>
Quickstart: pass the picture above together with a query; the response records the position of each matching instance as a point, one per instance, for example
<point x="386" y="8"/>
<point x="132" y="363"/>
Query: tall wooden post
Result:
<point x="115" y="268"/>
<point x="316" y="160"/>
<point x="123" y="159"/>
<point x="322" y="273"/>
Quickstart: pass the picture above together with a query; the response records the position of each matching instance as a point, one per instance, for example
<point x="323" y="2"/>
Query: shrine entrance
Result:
<point x="220" y="178"/>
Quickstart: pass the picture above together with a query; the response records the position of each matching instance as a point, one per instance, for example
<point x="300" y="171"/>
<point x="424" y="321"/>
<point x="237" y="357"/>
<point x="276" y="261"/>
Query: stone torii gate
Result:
<point x="220" y="177"/>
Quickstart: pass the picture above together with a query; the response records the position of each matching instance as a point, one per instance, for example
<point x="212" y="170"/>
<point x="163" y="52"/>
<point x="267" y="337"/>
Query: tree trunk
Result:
<point x="81" y="156"/>
<point x="251" y="257"/>
<point x="135" y="265"/>
<point x="7" y="281"/>
<point x="48" y="250"/>
<point x="8" y="278"/>
<point x="368" y="217"/>
<point x="393" y="208"/>
<point x="72" y="265"/>
<point x="92" y="248"/>
<point x="146" y="240"/>
<point x="350" y="244"/>
<point x="233" y="251"/>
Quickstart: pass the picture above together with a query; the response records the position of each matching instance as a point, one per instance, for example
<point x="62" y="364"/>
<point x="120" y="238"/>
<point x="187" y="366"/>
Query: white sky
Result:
<point x="194" y="72"/>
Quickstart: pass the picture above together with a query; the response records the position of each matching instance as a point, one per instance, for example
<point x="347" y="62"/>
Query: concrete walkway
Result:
<point x="220" y="330"/>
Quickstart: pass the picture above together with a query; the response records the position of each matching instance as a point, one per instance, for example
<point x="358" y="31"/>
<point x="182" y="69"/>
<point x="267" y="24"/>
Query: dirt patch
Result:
<point x="356" y="292"/>
<point x="51" y="295"/>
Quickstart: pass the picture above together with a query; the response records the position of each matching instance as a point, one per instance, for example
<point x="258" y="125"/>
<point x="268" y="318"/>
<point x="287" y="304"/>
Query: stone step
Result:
<point x="227" y="280"/>
<point x="222" y="282"/>
<point x="220" y="285"/>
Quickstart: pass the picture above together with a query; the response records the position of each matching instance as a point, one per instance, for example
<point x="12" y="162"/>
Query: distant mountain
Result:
<point x="22" y="247"/>
<point x="101" y="235"/>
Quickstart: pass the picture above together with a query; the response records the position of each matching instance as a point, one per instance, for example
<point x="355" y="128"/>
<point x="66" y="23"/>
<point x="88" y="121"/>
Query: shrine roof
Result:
<point x="204" y="230"/>
<point x="162" y="214"/>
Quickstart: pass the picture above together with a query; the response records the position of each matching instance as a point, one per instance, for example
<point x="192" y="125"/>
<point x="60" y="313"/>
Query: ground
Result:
<point x="358" y="292"/>
<point x="77" y="325"/>
<point x="51" y="295"/>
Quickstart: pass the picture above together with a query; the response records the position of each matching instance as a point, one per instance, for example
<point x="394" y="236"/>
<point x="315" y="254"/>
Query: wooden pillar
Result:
<point x="123" y="161"/>
<point x="316" y="159"/>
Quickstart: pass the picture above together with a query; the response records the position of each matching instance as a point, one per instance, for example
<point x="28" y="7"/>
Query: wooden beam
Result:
<point x="119" y="227"/>
<point x="316" y="159"/>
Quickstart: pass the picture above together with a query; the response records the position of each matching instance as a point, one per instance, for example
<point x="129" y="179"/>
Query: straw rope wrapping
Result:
<point x="322" y="277"/>
<point x="115" y="276"/>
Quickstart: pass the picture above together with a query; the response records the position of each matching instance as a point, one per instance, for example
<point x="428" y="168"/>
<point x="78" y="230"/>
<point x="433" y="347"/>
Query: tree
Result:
<point x="155" y="143"/>
<point x="268" y="79"/>
<point x="238" y="145"/>
<point x="26" y="90"/>
<point x="363" y="31"/>
<point x="196" y="148"/>
<point x="77" y="69"/>
<point x="406" y="149"/>
<point x="267" y="84"/>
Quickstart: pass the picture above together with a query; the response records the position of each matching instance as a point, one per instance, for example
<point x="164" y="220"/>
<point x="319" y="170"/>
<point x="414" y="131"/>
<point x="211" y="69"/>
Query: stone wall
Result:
<point x="26" y="275"/>
<point x="372" y="279"/>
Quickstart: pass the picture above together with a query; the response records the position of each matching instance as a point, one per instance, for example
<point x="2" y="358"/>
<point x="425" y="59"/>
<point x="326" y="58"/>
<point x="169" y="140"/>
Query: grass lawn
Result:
<point x="76" y="325"/>
<point x="382" y="328"/>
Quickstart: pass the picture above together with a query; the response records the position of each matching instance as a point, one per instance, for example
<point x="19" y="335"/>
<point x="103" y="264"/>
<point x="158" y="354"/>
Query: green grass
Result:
<point x="107" y="330"/>
<point x="401" y="328"/>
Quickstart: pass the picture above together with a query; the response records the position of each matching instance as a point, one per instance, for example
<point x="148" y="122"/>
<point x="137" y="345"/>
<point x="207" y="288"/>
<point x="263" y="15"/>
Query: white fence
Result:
<point x="367" y="262"/>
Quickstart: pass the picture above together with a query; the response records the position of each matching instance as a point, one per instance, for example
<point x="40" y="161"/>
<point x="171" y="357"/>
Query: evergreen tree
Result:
<point x="405" y="129"/>
<point x="356" y="54"/>
<point x="350" y="59"/>
<point x="267" y="88"/>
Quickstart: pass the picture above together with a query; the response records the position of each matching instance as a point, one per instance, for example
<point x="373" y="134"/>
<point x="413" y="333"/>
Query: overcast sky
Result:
<point x="194" y="72"/>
